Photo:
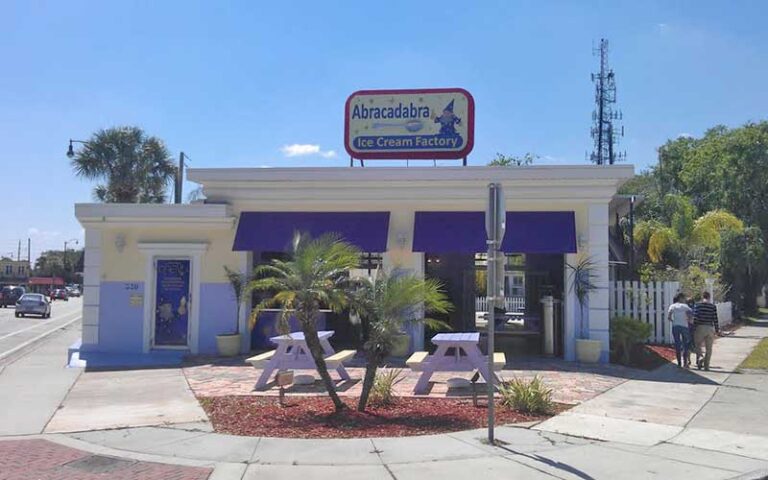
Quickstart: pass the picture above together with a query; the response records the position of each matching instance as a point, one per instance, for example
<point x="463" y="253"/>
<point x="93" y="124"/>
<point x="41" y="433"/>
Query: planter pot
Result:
<point x="228" y="345"/>
<point x="401" y="345"/>
<point x="588" y="351"/>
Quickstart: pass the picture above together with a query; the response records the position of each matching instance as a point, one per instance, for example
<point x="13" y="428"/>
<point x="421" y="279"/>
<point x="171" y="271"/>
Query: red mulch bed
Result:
<point x="314" y="417"/>
<point x="650" y="357"/>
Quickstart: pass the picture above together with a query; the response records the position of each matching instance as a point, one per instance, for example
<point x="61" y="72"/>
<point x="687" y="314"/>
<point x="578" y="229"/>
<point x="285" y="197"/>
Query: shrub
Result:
<point x="627" y="332"/>
<point x="529" y="396"/>
<point x="382" y="390"/>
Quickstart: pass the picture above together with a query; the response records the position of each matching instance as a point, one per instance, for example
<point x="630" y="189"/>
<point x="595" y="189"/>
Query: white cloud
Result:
<point x="303" y="149"/>
<point x="36" y="232"/>
<point x="684" y="135"/>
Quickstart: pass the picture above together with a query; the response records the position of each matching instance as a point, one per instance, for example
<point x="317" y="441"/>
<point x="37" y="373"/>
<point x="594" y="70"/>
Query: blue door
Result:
<point x="172" y="303"/>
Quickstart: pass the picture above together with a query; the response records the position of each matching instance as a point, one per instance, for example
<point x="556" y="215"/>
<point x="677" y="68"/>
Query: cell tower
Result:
<point x="605" y="130"/>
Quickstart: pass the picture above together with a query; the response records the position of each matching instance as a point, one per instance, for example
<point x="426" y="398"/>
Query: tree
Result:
<point x="744" y="265"/>
<point x="133" y="167"/>
<point x="385" y="304"/>
<point x="316" y="275"/>
<point x="502" y="160"/>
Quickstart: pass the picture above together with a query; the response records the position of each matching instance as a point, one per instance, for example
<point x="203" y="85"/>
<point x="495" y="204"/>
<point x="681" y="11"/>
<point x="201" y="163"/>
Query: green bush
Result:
<point x="627" y="332"/>
<point x="529" y="396"/>
<point x="382" y="391"/>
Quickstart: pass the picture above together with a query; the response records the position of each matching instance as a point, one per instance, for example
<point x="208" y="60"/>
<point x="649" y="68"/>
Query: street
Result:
<point x="19" y="334"/>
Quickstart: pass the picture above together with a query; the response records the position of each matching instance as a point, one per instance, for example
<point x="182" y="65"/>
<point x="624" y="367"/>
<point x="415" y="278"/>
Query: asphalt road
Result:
<point x="20" y="334"/>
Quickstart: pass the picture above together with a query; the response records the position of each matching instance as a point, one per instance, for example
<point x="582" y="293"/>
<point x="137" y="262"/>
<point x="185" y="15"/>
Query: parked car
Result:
<point x="73" y="291"/>
<point x="33" y="304"/>
<point x="60" y="294"/>
<point x="9" y="295"/>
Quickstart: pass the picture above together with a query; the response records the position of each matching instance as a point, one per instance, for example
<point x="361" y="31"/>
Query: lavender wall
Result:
<point x="218" y="314"/>
<point x="121" y="324"/>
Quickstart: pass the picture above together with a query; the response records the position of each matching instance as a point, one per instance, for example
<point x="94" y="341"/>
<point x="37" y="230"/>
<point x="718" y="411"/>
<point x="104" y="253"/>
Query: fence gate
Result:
<point x="647" y="302"/>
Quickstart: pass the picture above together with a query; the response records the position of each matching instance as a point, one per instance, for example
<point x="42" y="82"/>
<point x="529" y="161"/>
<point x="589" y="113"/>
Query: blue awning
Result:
<point x="464" y="232"/>
<point x="273" y="231"/>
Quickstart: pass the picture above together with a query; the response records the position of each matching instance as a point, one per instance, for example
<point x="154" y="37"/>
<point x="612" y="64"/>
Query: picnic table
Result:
<point x="466" y="356"/>
<point x="292" y="353"/>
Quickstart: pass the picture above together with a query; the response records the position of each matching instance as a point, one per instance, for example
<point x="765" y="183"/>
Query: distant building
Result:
<point x="14" y="272"/>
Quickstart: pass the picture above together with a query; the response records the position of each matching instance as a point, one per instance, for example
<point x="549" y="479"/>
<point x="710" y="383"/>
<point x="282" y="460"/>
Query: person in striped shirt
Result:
<point x="705" y="319"/>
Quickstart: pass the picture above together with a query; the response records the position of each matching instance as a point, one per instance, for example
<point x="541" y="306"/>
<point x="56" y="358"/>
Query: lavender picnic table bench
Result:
<point x="441" y="361"/>
<point x="292" y="353"/>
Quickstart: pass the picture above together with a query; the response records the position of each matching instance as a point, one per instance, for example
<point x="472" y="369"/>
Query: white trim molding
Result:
<point x="181" y="251"/>
<point x="208" y="216"/>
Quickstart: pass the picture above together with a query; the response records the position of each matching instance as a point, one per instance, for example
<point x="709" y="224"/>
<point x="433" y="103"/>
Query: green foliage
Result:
<point x="710" y="226"/>
<point x="661" y="244"/>
<point x="386" y="304"/>
<point x="526" y="396"/>
<point x="240" y="284"/>
<point x="744" y="266"/>
<point x="135" y="168"/>
<point x="627" y="332"/>
<point x="316" y="275"/>
<point x="382" y="392"/>
<point x="582" y="284"/>
<point x="502" y="160"/>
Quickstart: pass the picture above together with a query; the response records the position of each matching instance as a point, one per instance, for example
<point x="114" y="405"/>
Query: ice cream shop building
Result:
<point x="154" y="275"/>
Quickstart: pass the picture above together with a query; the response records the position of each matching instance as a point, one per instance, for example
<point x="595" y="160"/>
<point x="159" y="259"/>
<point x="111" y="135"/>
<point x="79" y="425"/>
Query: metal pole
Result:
<point x="179" y="179"/>
<point x="491" y="347"/>
<point x="632" y="236"/>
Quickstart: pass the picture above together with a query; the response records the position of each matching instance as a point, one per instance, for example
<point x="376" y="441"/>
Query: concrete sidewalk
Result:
<point x="523" y="453"/>
<point x="32" y="387"/>
<point x="711" y="410"/>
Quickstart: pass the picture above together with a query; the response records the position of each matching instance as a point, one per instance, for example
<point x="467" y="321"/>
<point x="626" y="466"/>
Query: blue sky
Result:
<point x="233" y="83"/>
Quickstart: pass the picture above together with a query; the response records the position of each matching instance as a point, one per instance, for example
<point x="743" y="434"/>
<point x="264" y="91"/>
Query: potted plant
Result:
<point x="582" y="284"/>
<point x="228" y="344"/>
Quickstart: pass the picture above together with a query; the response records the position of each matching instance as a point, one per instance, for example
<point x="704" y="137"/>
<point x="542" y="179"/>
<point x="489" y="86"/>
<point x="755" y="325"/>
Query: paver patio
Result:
<point x="41" y="459"/>
<point x="571" y="383"/>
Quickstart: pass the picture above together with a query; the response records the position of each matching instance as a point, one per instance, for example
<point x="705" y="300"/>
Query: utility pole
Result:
<point x="178" y="184"/>
<point x="18" y="252"/>
<point x="604" y="133"/>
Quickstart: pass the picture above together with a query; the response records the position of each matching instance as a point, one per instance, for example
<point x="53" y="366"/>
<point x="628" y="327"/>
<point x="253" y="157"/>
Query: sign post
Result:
<point x="495" y="225"/>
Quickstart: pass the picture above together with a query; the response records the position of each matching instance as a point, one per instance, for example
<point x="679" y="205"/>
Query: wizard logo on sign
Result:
<point x="448" y="121"/>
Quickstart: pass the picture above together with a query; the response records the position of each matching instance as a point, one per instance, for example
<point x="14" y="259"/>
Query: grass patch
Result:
<point x="758" y="359"/>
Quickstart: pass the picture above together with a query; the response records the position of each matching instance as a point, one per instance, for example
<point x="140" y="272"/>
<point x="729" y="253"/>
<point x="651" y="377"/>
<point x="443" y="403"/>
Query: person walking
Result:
<point x="705" y="319"/>
<point x="681" y="315"/>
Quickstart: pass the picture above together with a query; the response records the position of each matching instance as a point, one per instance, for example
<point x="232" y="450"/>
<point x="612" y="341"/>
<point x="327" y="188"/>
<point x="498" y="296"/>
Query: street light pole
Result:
<point x="71" y="149"/>
<point x="65" y="251"/>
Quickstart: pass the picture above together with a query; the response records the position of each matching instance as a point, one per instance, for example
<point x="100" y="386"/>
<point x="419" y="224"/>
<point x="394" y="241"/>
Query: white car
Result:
<point x="33" y="304"/>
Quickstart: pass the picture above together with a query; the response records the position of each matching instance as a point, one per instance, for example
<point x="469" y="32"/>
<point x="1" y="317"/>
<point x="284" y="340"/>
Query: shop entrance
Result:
<point x="171" y="303"/>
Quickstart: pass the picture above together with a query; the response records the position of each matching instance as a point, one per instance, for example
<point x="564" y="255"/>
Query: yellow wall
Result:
<point x="130" y="264"/>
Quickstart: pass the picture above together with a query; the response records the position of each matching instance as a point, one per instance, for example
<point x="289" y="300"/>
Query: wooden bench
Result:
<point x="499" y="360"/>
<point x="260" y="360"/>
<point x="416" y="360"/>
<point x="334" y="361"/>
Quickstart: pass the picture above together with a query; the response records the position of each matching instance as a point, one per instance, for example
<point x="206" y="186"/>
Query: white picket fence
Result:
<point x="647" y="302"/>
<point x="511" y="304"/>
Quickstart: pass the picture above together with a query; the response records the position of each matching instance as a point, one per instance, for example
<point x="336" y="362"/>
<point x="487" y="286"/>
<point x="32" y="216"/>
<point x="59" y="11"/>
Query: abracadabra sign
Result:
<point x="436" y="123"/>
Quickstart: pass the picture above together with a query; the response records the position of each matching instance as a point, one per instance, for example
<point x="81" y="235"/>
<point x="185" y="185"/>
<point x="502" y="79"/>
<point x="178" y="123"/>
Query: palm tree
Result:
<point x="135" y="168"/>
<point x="316" y="275"/>
<point x="385" y="304"/>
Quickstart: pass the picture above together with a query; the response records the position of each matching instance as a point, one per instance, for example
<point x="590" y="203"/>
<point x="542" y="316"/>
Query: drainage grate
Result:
<point x="100" y="464"/>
